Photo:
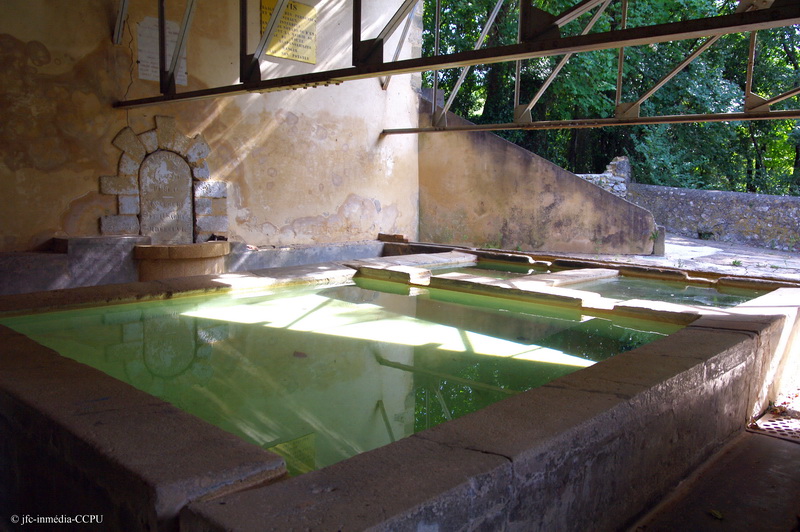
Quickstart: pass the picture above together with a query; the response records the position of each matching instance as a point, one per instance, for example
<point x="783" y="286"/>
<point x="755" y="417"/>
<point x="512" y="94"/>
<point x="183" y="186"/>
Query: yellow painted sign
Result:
<point x="296" y="35"/>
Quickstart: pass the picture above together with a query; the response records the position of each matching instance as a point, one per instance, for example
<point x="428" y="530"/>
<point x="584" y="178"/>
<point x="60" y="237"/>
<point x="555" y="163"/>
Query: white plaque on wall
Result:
<point x="147" y="52"/>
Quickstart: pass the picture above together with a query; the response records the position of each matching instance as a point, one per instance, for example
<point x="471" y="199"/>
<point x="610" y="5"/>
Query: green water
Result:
<point x="672" y="291"/>
<point x="319" y="375"/>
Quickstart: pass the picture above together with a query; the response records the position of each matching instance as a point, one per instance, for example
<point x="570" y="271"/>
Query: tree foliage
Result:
<point x="749" y="156"/>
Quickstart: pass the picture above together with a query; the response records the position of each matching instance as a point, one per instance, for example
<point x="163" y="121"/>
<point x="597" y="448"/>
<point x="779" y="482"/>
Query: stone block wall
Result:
<point x="750" y="219"/>
<point x="615" y="179"/>
<point x="205" y="213"/>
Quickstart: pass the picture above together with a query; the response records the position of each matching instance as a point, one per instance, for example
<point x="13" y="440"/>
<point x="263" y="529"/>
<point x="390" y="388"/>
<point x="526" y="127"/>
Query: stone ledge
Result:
<point x="448" y="487"/>
<point x="138" y="452"/>
<point x="690" y="392"/>
<point x="401" y="274"/>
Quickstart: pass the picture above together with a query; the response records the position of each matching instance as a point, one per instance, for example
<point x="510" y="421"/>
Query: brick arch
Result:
<point x="208" y="197"/>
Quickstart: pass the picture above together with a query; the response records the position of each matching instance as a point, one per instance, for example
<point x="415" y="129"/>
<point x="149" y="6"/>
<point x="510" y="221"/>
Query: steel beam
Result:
<point x="774" y="17"/>
<point x="524" y="114"/>
<point x="400" y="42"/>
<point x="180" y="44"/>
<point x="754" y="102"/>
<point x="356" y="32"/>
<point x="576" y="11"/>
<point x="436" y="49"/>
<point x="269" y="32"/>
<point x="627" y="110"/>
<point x="786" y="95"/>
<point x="604" y="122"/>
<point x="396" y="20"/>
<point x="388" y="30"/>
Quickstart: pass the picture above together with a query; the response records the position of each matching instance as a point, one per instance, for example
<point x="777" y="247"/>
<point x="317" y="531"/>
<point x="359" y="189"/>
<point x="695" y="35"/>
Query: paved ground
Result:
<point x="754" y="483"/>
<point x="712" y="256"/>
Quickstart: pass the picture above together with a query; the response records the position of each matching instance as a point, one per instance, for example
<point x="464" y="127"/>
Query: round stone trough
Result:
<point x="166" y="261"/>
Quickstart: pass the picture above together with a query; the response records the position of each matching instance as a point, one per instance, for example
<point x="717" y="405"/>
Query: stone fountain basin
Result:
<point x="166" y="261"/>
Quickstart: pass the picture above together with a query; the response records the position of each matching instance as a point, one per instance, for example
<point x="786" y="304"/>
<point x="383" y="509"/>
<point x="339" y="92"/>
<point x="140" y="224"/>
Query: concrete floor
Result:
<point x="752" y="485"/>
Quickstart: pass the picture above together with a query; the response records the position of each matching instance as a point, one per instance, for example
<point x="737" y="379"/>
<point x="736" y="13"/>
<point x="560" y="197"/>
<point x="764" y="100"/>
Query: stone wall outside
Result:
<point x="750" y="219"/>
<point x="615" y="179"/>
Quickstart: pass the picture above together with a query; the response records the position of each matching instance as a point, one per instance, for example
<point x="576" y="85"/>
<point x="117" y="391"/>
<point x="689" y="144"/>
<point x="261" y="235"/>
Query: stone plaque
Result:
<point x="165" y="187"/>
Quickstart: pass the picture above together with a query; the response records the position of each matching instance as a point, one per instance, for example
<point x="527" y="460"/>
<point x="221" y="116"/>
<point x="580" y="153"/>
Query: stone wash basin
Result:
<point x="166" y="261"/>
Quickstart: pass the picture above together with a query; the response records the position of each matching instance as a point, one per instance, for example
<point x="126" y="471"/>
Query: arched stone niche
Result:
<point x="164" y="188"/>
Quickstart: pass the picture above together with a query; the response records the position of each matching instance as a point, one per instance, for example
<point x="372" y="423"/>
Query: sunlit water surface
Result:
<point x="319" y="375"/>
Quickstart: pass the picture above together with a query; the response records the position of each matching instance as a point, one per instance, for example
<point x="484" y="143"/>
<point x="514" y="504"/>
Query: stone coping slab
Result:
<point x="402" y="274"/>
<point x="526" y="289"/>
<point x="661" y="310"/>
<point x="323" y="273"/>
<point x="418" y="260"/>
<point x="588" y="451"/>
<point x="581" y="275"/>
<point x="412" y="484"/>
<point x="752" y="284"/>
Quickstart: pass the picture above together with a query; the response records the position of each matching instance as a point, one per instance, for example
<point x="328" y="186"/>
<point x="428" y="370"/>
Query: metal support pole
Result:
<point x="604" y="122"/>
<point x="266" y="37"/>
<point x="356" y="32"/>
<point x="396" y="20"/>
<point x="752" y="101"/>
<point x="180" y="44"/>
<point x="244" y="59"/>
<point x="576" y="11"/>
<point x="121" y="16"/>
<point x="785" y="96"/>
<point x="400" y="42"/>
<point x="436" y="44"/>
<point x="163" y="78"/>
<point x="751" y="59"/>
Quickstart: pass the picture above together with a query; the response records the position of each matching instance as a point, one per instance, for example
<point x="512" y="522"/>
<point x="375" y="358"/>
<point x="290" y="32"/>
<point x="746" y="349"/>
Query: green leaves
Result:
<point x="744" y="156"/>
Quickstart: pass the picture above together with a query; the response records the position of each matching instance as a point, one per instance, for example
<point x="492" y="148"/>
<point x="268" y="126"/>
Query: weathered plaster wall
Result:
<point x="301" y="167"/>
<point x="477" y="189"/>
<point x="751" y="219"/>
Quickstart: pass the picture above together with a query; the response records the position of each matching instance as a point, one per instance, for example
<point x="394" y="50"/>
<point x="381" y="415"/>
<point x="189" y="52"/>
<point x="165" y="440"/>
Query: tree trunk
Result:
<point x="759" y="170"/>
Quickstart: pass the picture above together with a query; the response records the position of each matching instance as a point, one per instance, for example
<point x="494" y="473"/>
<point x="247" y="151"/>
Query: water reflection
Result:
<point x="321" y="375"/>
